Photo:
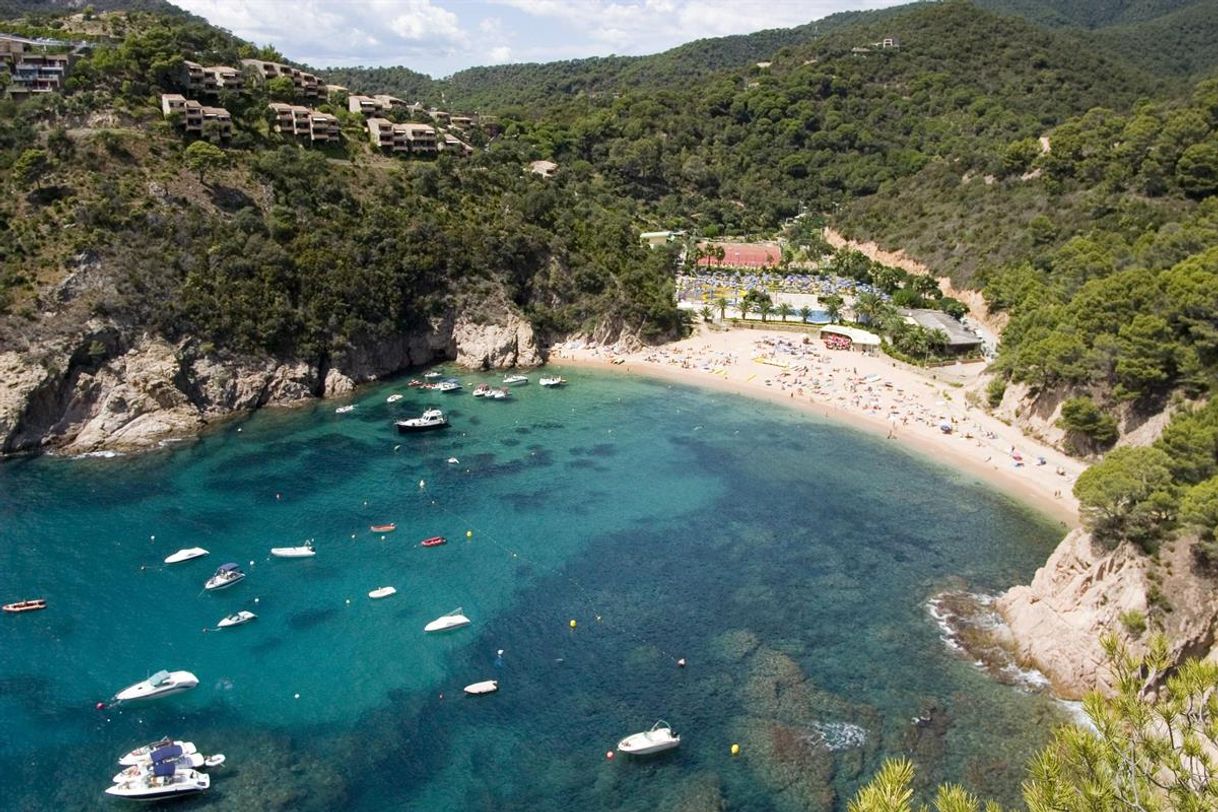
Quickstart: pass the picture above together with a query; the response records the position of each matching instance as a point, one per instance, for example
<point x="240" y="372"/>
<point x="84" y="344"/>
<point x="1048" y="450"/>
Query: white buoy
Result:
<point x="422" y="484"/>
<point x="296" y="696"/>
<point x="257" y="600"/>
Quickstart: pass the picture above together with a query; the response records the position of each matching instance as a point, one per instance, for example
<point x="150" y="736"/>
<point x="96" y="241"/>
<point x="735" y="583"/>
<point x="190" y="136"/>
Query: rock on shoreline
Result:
<point x="102" y="391"/>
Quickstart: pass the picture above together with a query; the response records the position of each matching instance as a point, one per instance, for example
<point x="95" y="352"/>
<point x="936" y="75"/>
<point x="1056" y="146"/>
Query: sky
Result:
<point x="440" y="37"/>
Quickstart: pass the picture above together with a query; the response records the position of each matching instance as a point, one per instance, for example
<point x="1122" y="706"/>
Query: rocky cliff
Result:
<point x="1083" y="592"/>
<point x="102" y="390"/>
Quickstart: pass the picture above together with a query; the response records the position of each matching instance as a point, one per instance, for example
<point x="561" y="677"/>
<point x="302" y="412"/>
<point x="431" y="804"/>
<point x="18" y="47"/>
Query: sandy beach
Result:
<point x="876" y="393"/>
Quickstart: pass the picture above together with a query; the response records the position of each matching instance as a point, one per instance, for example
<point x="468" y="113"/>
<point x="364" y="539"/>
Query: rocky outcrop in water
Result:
<point x="104" y="390"/>
<point x="1083" y="592"/>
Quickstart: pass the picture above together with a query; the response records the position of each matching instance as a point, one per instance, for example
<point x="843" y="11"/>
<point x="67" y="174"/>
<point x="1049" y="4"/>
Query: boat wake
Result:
<point x="971" y="627"/>
<point x="103" y="455"/>
<point x="835" y="735"/>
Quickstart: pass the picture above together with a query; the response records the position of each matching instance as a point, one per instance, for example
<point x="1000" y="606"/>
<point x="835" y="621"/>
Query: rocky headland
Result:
<point x="102" y="389"/>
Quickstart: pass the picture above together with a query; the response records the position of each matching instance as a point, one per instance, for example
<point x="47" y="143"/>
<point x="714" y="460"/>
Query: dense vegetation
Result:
<point x="265" y="246"/>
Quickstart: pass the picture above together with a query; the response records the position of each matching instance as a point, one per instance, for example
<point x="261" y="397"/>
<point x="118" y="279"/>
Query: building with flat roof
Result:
<point x="407" y="138"/>
<point x="960" y="339"/>
<point x="303" y="122"/>
<point x="194" y="117"/>
<point x="306" y="84"/>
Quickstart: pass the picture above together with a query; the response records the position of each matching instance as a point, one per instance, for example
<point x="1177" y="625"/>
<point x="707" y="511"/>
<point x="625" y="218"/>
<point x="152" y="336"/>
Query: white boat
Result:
<point x="227" y="575"/>
<point x="656" y="740"/>
<point x="499" y="394"/>
<point x="236" y="619"/>
<point x="142" y="754"/>
<point x="453" y="620"/>
<point x="185" y="554"/>
<point x="164" y="781"/>
<point x="303" y="551"/>
<point x="515" y="380"/>
<point x="162" y="683"/>
<point x="182" y="760"/>
<point x="486" y="687"/>
<point x="481" y="390"/>
<point x="394" y="398"/>
<point x="431" y="419"/>
<point x="433" y="375"/>
<point x="447" y="386"/>
<point x="382" y="592"/>
<point x="556" y="381"/>
<point x="345" y="409"/>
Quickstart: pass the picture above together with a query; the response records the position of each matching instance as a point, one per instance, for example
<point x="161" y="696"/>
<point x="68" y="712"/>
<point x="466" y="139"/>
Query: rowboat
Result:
<point x="383" y="528"/>
<point x="434" y="541"/>
<point x="32" y="605"/>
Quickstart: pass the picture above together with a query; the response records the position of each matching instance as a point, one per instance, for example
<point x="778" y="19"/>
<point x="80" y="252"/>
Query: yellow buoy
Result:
<point x="469" y="534"/>
<point x="735" y="749"/>
<point x="572" y="624"/>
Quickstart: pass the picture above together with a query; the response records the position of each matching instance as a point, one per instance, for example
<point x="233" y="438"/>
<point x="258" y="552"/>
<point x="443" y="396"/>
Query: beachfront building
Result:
<point x="196" y="118"/>
<point x="960" y="339"/>
<point x="840" y="337"/>
<point x="303" y="122"/>
<point x="306" y="84"/>
<point x="741" y="255"/>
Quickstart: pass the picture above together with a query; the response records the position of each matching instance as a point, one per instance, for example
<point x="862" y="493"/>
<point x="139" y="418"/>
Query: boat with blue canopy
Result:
<point x="227" y="575"/>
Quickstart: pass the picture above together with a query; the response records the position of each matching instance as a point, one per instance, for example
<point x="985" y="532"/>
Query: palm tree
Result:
<point x="784" y="310"/>
<point x="764" y="308"/>
<point x="833" y="307"/>
<point x="867" y="306"/>
<point x="707" y="314"/>
<point x="805" y="313"/>
<point x="721" y="303"/>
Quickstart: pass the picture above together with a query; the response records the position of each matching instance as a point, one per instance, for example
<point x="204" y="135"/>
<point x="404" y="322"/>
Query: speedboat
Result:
<point x="165" y="780"/>
<point x="143" y="754"/>
<point x="482" y="390"/>
<point x="186" y="554"/>
<point x="345" y="409"/>
<point x="556" y="381"/>
<point x="303" y="551"/>
<point x="434" y="541"/>
<point x="162" y="683"/>
<point x="430" y="419"/>
<point x="478" y="688"/>
<point x="394" y="398"/>
<point x="447" y="386"/>
<point x="227" y="575"/>
<point x="382" y="592"/>
<point x="499" y="394"/>
<point x="433" y="375"/>
<point x="656" y="740"/>
<point x="32" y="605"/>
<point x="185" y="761"/>
<point x="515" y="380"/>
<point x="236" y="619"/>
<point x="453" y="620"/>
<point x="383" y="528"/>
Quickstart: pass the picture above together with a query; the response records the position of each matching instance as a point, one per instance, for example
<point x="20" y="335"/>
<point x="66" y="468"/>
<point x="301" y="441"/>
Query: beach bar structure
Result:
<point x="837" y="336"/>
<point x="960" y="340"/>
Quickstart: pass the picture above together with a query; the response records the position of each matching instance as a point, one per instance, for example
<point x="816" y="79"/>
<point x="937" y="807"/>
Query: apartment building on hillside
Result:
<point x="197" y="118"/>
<point x="402" y="138"/>
<point x="303" y="122"/>
<point x="306" y="84"/>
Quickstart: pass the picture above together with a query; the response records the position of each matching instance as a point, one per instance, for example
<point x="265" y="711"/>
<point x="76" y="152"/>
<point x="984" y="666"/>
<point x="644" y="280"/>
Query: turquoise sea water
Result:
<point x="787" y="559"/>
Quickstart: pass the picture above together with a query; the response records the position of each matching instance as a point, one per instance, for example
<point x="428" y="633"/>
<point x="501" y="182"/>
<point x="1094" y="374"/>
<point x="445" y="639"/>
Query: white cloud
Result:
<point x="348" y="33"/>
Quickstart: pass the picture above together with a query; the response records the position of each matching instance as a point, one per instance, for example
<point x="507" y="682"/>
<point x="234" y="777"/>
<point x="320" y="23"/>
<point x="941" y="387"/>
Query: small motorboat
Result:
<point x="430" y="419"/>
<point x="345" y="409"/>
<point x="303" y="551"/>
<point x="434" y="541"/>
<point x="162" y="683"/>
<point x="414" y="383"/>
<point x="164" y="781"/>
<point x="481" y="390"/>
<point x="498" y="394"/>
<point x="383" y="528"/>
<point x="382" y="592"/>
<point x="227" y="575"/>
<point x="555" y="381"/>
<point x="236" y="619"/>
<point x="184" y="761"/>
<point x="515" y="380"/>
<point x="32" y="605"/>
<point x="186" y="554"/>
<point x="447" y="386"/>
<point x="656" y="740"/>
<point x="486" y="687"/>
<point x="143" y="754"/>
<point x="394" y="398"/>
<point x="453" y="620"/>
<point x="433" y="375"/>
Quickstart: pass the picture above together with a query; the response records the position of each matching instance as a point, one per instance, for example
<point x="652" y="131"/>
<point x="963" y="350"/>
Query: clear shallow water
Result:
<point x="789" y="561"/>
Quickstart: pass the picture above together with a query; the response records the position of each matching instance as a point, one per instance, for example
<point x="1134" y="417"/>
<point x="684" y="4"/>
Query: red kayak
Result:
<point x="383" y="528"/>
<point x="434" y="541"/>
<point x="26" y="606"/>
